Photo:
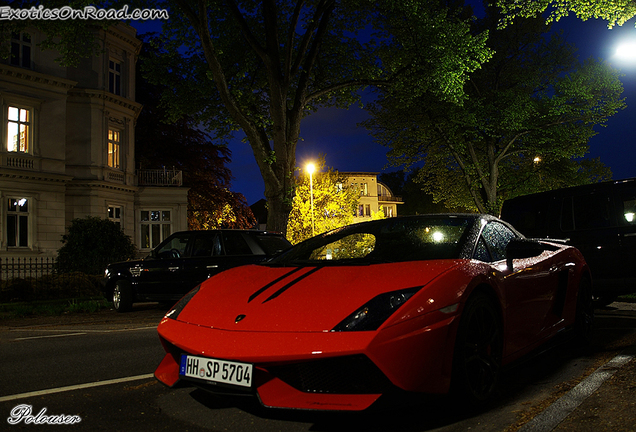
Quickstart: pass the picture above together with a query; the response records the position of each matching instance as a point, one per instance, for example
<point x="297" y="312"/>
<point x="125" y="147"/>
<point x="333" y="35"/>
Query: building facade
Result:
<point x="374" y="195"/>
<point x="67" y="149"/>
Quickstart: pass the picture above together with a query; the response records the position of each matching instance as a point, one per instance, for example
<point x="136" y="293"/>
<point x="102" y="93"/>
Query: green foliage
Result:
<point x="534" y="98"/>
<point x="263" y="66"/>
<point x="615" y="12"/>
<point x="162" y="138"/>
<point x="91" y="244"/>
<point x="334" y="206"/>
<point x="416" y="200"/>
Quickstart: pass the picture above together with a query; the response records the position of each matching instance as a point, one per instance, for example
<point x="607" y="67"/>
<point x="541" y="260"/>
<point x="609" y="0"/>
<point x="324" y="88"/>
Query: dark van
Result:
<point x="599" y="219"/>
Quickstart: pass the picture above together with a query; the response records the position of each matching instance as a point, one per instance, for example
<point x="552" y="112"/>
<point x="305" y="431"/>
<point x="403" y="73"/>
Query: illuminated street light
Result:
<point x="310" y="169"/>
<point x="626" y="51"/>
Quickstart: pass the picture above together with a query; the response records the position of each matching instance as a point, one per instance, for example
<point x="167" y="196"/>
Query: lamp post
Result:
<point x="310" y="169"/>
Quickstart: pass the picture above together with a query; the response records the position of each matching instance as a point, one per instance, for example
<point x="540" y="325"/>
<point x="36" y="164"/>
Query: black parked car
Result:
<point x="185" y="259"/>
<point x="598" y="219"/>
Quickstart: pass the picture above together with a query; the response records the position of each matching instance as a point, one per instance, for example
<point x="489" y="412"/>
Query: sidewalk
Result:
<point x="604" y="401"/>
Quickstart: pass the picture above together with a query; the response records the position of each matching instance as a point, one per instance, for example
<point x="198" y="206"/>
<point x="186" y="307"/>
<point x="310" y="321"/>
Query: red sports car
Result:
<point x="427" y="304"/>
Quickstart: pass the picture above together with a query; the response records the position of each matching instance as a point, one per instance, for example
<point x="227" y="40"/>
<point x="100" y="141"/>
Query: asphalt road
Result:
<point x="97" y="368"/>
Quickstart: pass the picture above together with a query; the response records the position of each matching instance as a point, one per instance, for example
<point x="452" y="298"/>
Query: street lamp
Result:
<point x="310" y="169"/>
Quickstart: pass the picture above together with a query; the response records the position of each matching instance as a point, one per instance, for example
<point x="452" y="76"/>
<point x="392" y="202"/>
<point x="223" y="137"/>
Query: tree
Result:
<point x="615" y="12"/>
<point x="334" y="205"/>
<point x="415" y="200"/>
<point x="210" y="202"/>
<point x="532" y="99"/>
<point x="262" y="66"/>
<point x="91" y="244"/>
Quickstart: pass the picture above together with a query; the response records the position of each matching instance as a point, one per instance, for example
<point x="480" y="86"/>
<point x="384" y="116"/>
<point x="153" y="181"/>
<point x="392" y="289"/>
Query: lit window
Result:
<point x="113" y="148"/>
<point x="18" y="222"/>
<point x="156" y="226"/>
<point x="21" y="49"/>
<point x="114" y="77"/>
<point x="18" y="129"/>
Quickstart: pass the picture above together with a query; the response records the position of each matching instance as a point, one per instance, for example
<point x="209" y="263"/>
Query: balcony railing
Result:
<point x="159" y="177"/>
<point x="389" y="198"/>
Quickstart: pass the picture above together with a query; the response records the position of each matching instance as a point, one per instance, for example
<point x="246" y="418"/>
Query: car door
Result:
<point x="161" y="276"/>
<point x="529" y="288"/>
<point x="206" y="259"/>
<point x="216" y="251"/>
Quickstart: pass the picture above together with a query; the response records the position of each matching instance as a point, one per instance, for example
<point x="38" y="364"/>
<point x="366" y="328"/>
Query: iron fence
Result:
<point x="27" y="279"/>
<point x="23" y="268"/>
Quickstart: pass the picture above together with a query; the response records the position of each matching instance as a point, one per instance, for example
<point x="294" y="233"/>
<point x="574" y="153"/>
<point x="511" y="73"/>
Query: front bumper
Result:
<point x="321" y="370"/>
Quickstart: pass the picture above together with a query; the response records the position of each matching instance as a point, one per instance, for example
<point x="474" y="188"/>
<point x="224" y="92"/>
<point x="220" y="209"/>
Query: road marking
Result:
<point x="49" y="336"/>
<point x="74" y="387"/>
<point x="559" y="410"/>
<point x="80" y="332"/>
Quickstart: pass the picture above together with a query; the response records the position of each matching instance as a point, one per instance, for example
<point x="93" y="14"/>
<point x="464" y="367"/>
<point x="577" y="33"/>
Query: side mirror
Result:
<point x="523" y="248"/>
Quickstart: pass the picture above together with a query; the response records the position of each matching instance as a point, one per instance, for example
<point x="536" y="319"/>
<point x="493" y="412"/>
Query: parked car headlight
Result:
<point x="377" y="310"/>
<point x="181" y="304"/>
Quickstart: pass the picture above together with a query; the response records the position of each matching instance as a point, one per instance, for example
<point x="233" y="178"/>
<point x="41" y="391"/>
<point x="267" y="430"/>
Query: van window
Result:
<point x="529" y="216"/>
<point x="591" y="211"/>
<point x="628" y="199"/>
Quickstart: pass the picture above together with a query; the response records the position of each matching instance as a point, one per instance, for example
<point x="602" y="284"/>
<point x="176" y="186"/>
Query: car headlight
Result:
<point x="377" y="310"/>
<point x="181" y="304"/>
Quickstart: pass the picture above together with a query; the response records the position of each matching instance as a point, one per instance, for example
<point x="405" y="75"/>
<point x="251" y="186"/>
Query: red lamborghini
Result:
<point x="427" y="304"/>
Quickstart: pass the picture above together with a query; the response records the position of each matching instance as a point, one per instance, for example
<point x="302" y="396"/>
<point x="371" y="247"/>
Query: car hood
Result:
<point x="300" y="299"/>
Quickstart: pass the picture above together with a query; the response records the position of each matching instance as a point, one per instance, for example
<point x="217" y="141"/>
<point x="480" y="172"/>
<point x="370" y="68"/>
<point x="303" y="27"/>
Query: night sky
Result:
<point x="348" y="147"/>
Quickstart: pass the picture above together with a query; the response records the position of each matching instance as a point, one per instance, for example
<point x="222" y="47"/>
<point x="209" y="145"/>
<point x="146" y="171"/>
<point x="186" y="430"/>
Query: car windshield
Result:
<point x="389" y="240"/>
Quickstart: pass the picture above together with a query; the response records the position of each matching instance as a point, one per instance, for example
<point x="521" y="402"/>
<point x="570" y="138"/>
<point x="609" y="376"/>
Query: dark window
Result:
<point x="175" y="247"/>
<point x="235" y="244"/>
<point x="591" y="211"/>
<point x="272" y="244"/>
<point x="18" y="222"/>
<point x="481" y="251"/>
<point x="21" y="49"/>
<point x="207" y="245"/>
<point x="528" y="215"/>
<point x="114" y="77"/>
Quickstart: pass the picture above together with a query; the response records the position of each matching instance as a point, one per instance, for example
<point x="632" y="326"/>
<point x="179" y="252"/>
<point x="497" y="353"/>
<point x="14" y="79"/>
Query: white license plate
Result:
<point x="218" y="371"/>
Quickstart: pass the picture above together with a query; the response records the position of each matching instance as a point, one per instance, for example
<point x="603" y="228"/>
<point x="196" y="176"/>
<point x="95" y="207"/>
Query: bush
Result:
<point x="91" y="244"/>
<point x="49" y="287"/>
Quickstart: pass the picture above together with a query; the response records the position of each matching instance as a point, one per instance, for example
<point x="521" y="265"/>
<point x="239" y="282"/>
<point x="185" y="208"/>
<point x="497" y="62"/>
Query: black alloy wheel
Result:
<point x="478" y="351"/>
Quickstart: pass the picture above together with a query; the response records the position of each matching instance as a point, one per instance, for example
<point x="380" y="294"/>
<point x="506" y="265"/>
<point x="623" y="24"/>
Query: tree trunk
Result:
<point x="278" y="209"/>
